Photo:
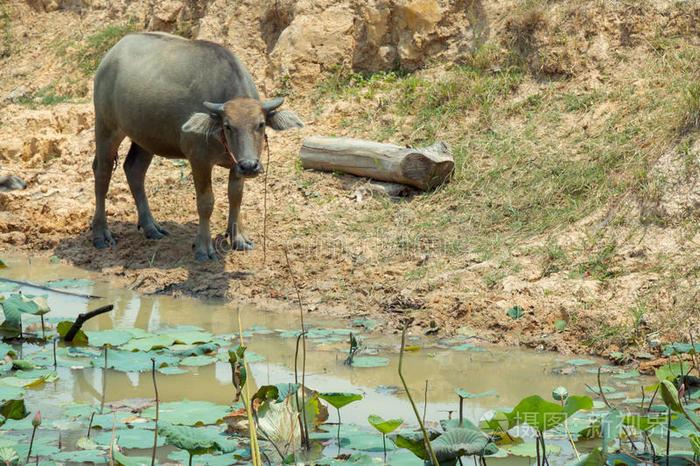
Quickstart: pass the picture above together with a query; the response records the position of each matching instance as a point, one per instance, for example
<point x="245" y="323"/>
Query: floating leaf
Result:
<point x="196" y="350"/>
<point x="134" y="361"/>
<point x="627" y="375"/>
<point x="464" y="347"/>
<point x="382" y="425"/>
<point x="85" y="443"/>
<point x="196" y="440"/>
<point x="197" y="361"/>
<point x="605" y="388"/>
<point x="465" y="394"/>
<point x="124" y="460"/>
<point x="149" y="343"/>
<point x="580" y="362"/>
<point x="69" y="283"/>
<point x="6" y="287"/>
<point x="129" y="438"/>
<point x="111" y="337"/>
<point x="369" y="361"/>
<point x="170" y="370"/>
<point x="529" y="450"/>
<point x="365" y="441"/>
<point x="10" y="393"/>
<point x="188" y="413"/>
<point x="190" y="337"/>
<point x="81" y="456"/>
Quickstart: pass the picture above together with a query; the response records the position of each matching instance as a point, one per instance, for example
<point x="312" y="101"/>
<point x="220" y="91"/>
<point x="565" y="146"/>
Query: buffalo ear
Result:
<point x="282" y="120"/>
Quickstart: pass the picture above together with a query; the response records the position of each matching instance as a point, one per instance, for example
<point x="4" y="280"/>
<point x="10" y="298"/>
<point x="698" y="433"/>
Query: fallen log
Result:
<point x="424" y="167"/>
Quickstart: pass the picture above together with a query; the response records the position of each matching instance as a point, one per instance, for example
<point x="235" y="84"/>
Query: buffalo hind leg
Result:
<point x="135" y="166"/>
<point x="203" y="247"/>
<point x="107" y="143"/>
<point x="239" y="240"/>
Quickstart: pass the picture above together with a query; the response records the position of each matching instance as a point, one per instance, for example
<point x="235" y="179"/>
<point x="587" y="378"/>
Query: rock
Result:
<point x="16" y="94"/>
<point x="306" y="38"/>
<point x="165" y="14"/>
<point x="11" y="148"/>
<point x="314" y="43"/>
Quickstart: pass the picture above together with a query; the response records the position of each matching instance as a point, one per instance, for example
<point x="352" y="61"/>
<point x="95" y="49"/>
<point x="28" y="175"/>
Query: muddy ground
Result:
<point x="350" y="250"/>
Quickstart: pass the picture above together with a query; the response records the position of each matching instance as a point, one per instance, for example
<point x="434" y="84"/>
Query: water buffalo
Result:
<point x="179" y="98"/>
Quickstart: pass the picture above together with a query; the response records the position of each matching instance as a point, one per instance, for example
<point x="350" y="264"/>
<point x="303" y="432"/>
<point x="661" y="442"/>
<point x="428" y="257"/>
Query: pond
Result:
<point x="82" y="386"/>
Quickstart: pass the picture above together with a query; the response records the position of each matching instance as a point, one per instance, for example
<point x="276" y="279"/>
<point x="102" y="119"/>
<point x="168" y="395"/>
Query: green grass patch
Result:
<point x="524" y="165"/>
<point x="5" y="31"/>
<point x="92" y="51"/>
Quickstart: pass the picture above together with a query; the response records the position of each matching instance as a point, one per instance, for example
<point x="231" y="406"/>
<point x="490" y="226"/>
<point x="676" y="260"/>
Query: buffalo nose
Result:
<point x="250" y="167"/>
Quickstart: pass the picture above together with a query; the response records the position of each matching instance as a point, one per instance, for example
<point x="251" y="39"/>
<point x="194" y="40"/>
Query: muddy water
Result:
<point x="513" y="373"/>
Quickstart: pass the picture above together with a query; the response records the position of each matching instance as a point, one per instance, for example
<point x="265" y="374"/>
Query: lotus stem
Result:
<point x="155" y="434"/>
<point x="338" y="409"/>
<point x="111" y="441"/>
<point x="568" y="433"/>
<point x="384" y="442"/>
<point x="92" y="416"/>
<point x="410" y="399"/>
<point x="304" y="431"/>
<point x="254" y="447"/>
<point x="31" y="443"/>
<point x="104" y="381"/>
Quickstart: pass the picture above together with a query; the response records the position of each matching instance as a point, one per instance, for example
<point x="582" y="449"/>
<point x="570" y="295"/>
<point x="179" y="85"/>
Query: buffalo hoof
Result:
<point x="155" y="231"/>
<point x="244" y="245"/>
<point x="103" y="239"/>
<point x="242" y="242"/>
<point x="202" y="256"/>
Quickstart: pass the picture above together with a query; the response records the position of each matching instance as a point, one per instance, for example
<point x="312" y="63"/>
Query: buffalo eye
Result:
<point x="227" y="126"/>
<point x="261" y="125"/>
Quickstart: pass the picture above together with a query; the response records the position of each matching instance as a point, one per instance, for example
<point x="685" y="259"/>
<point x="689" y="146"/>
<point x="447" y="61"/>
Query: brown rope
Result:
<point x="267" y="170"/>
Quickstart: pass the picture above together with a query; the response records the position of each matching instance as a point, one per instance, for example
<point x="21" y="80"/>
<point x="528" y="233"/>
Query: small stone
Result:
<point x="16" y="94"/>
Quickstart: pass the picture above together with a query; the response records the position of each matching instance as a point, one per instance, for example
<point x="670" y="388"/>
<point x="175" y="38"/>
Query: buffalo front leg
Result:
<point x="135" y="166"/>
<point x="239" y="240"/>
<point x="106" y="143"/>
<point x="203" y="248"/>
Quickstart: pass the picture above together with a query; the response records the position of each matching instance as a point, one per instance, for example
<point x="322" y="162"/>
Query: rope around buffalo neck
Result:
<point x="228" y="151"/>
<point x="267" y="170"/>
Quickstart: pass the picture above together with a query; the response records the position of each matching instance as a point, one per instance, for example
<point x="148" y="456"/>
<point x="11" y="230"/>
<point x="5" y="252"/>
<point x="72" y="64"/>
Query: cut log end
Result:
<point x="424" y="168"/>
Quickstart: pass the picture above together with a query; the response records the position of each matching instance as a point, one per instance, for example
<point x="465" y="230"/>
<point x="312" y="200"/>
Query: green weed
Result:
<point x="5" y="31"/>
<point x="98" y="44"/>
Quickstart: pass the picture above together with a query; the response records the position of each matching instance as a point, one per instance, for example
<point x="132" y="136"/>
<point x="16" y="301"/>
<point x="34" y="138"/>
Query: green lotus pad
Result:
<point x="188" y="413"/>
<point x="369" y="361"/>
